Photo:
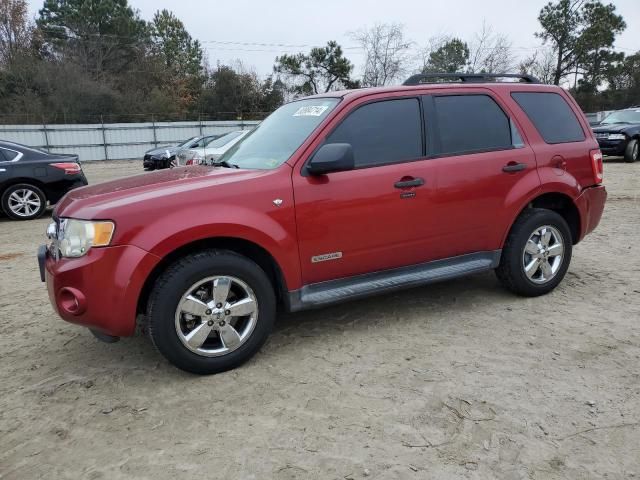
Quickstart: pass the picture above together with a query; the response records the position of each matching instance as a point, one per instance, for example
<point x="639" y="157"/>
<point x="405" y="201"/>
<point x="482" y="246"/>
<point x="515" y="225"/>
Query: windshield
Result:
<point x="623" y="116"/>
<point x="274" y="140"/>
<point x="186" y="142"/>
<point x="222" y="141"/>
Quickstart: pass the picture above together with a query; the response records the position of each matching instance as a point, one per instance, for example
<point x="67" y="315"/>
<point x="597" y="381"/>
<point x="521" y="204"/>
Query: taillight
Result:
<point x="189" y="162"/>
<point x="596" y="165"/>
<point x="70" y="168"/>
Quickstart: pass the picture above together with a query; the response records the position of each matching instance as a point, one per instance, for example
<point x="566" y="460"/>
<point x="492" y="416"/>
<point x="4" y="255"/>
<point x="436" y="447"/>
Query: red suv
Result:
<point x="332" y="197"/>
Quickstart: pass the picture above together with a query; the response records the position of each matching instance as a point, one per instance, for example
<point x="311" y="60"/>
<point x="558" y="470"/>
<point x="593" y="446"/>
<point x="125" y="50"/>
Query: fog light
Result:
<point x="72" y="301"/>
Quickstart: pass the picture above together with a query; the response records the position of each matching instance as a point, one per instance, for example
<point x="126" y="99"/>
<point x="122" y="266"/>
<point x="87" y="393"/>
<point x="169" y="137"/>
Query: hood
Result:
<point x="101" y="200"/>
<point x="615" y="127"/>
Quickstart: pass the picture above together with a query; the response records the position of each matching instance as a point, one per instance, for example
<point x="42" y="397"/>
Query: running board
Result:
<point x="335" y="291"/>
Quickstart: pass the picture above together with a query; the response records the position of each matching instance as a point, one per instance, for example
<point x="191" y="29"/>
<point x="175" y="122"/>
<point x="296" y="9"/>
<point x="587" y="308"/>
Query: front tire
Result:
<point x="632" y="152"/>
<point x="23" y="202"/>
<point x="537" y="253"/>
<point x="211" y="311"/>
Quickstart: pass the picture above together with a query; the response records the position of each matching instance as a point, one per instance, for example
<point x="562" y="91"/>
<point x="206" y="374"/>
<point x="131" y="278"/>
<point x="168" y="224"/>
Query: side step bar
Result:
<point x="334" y="291"/>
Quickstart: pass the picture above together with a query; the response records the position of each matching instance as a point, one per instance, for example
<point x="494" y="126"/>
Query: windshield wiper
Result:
<point x="225" y="164"/>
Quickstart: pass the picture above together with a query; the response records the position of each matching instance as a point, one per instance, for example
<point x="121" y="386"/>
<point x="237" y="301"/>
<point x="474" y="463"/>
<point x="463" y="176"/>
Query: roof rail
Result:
<point x="465" y="78"/>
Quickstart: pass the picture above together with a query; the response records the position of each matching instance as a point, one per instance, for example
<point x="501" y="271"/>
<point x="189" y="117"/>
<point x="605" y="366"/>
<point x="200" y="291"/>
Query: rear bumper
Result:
<point x="56" y="190"/>
<point x="99" y="290"/>
<point x="590" y="204"/>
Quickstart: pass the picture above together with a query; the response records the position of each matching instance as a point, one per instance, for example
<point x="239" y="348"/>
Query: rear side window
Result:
<point x="383" y="132"/>
<point x="7" y="154"/>
<point x="551" y="115"/>
<point x="471" y="123"/>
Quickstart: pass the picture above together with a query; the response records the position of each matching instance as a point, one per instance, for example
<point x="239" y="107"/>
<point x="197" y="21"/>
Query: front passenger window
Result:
<point x="382" y="133"/>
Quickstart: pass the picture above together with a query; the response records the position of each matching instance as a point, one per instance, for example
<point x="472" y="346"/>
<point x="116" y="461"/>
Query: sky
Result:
<point x="256" y="31"/>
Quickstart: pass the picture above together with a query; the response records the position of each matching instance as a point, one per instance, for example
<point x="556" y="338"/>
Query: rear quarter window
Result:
<point x="551" y="115"/>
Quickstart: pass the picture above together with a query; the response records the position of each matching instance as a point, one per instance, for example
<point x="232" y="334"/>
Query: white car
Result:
<point x="213" y="151"/>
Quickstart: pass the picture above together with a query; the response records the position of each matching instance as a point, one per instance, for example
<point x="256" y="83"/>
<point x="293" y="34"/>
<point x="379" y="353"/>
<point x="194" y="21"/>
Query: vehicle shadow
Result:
<point x="409" y="308"/>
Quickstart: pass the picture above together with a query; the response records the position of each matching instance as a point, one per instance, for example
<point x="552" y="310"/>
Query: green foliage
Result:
<point x="235" y="92"/>
<point x="581" y="35"/>
<point x="322" y="70"/>
<point x="172" y="43"/>
<point x="450" y="57"/>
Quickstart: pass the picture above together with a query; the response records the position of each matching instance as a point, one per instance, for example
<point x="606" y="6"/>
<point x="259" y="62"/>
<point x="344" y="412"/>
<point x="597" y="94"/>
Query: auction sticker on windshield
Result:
<point x="310" y="111"/>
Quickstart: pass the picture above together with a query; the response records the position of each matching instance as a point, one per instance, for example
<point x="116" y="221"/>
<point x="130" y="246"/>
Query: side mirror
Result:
<point x="332" y="157"/>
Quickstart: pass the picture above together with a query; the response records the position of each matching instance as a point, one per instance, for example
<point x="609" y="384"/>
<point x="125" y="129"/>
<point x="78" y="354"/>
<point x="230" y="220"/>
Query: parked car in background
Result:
<point x="212" y="151"/>
<point x="619" y="134"/>
<point x="595" y="118"/>
<point x="31" y="178"/>
<point x="162" y="157"/>
<point x="331" y="198"/>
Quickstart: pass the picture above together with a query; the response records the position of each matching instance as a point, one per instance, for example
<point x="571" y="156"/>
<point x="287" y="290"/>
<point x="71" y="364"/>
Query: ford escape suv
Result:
<point x="332" y="197"/>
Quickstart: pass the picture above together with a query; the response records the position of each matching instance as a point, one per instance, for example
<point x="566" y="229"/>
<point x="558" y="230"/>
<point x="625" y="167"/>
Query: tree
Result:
<point x="596" y="42"/>
<point x="386" y="53"/>
<point x="15" y="30"/>
<point x="100" y="35"/>
<point x="541" y="65"/>
<point x="172" y="43"/>
<point x="577" y="29"/>
<point x="452" y="56"/>
<point x="322" y="70"/>
<point x="235" y="91"/>
<point x="490" y="52"/>
<point x="180" y="56"/>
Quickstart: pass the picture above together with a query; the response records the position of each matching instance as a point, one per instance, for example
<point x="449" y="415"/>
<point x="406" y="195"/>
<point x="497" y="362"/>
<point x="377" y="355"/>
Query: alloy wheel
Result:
<point x="216" y="316"/>
<point x="24" y="202"/>
<point x="543" y="254"/>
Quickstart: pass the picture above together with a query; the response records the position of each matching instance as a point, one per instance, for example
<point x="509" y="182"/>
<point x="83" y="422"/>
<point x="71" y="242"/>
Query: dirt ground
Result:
<point x="455" y="380"/>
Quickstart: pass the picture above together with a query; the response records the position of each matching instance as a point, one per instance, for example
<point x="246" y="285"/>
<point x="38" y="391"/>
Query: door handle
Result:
<point x="512" y="167"/>
<point x="414" y="182"/>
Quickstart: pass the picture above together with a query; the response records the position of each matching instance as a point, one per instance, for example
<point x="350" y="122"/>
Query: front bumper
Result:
<point x="100" y="290"/>
<point x="612" y="147"/>
<point x="590" y="204"/>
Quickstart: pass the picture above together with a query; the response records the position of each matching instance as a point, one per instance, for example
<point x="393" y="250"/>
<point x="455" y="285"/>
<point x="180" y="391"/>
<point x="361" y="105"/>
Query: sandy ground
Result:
<point x="456" y="380"/>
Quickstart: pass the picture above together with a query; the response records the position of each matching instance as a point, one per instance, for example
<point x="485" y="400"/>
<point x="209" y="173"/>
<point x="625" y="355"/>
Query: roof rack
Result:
<point x="421" y="78"/>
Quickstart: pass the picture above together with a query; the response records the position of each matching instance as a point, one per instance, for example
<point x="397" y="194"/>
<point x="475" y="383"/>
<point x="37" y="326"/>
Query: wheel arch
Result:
<point x="560" y="203"/>
<point x="251" y="250"/>
<point x="26" y="180"/>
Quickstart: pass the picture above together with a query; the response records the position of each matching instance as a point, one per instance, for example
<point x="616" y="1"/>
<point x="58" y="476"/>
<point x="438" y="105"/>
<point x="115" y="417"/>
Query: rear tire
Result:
<point x="184" y="305"/>
<point x="632" y="152"/>
<point x="537" y="253"/>
<point x="23" y="202"/>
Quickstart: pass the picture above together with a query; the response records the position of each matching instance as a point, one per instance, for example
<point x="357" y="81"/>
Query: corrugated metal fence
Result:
<point x="114" y="141"/>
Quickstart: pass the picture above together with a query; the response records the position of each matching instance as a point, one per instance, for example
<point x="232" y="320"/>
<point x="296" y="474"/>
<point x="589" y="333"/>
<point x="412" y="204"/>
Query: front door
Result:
<point x="377" y="216"/>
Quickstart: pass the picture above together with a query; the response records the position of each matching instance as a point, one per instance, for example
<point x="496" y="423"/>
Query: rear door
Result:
<point x="364" y="220"/>
<point x="484" y="167"/>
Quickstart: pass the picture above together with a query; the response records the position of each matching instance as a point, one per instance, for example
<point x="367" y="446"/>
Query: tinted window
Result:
<point x="471" y="123"/>
<point x="551" y="115"/>
<point x="382" y="132"/>
<point x="7" y="154"/>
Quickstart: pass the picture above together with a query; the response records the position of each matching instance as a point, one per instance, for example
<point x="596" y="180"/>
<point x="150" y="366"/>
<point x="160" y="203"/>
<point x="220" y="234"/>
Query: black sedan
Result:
<point x="164" y="157"/>
<point x="31" y="178"/>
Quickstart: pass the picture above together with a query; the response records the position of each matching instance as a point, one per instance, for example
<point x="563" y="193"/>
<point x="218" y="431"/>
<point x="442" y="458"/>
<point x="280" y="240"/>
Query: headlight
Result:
<point x="76" y="237"/>
<point x="616" y="136"/>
